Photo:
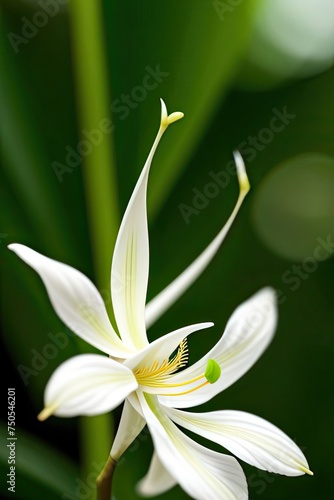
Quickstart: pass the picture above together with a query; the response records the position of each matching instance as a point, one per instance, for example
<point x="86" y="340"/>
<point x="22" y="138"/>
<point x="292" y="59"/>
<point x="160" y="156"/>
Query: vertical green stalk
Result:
<point x="94" y="101"/>
<point x="99" y="173"/>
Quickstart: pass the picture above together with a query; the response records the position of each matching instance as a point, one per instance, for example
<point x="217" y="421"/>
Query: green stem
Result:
<point x="99" y="174"/>
<point x="99" y="169"/>
<point x="96" y="437"/>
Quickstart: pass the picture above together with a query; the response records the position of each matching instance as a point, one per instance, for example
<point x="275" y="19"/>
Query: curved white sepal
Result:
<point x="157" y="480"/>
<point x="157" y="306"/>
<point x="248" y="333"/>
<point x="130" y="264"/>
<point x="89" y="384"/>
<point x="247" y="436"/>
<point x="131" y="424"/>
<point x="202" y="473"/>
<point x="76" y="301"/>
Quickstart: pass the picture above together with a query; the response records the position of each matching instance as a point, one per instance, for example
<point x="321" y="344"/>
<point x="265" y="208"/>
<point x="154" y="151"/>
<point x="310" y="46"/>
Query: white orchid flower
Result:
<point x="152" y="378"/>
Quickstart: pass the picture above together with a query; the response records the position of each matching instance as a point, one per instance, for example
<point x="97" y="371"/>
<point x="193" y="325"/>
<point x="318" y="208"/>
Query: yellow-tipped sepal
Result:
<point x="306" y="470"/>
<point x="168" y="119"/>
<point x="46" y="413"/>
<point x="241" y="171"/>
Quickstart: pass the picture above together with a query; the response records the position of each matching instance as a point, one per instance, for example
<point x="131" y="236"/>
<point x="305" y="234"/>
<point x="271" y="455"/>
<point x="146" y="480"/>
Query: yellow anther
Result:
<point x="158" y="373"/>
<point x="213" y="371"/>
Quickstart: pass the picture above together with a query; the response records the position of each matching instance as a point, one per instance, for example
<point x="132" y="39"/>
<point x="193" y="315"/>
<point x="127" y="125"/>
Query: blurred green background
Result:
<point x="251" y="75"/>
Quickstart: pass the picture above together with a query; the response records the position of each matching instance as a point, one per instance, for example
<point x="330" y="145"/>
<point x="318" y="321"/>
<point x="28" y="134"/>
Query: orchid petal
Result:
<point x="89" y="384"/>
<point x="76" y="301"/>
<point x="248" y="333"/>
<point x="247" y="436"/>
<point x="130" y="265"/>
<point x="157" y="481"/>
<point x="204" y="474"/>
<point x="131" y="424"/>
<point x="174" y="290"/>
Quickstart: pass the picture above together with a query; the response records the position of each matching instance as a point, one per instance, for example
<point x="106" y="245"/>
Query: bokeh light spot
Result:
<point x="294" y="206"/>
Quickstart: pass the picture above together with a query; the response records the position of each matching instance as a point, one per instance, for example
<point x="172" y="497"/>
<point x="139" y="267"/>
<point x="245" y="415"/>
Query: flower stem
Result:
<point x="104" y="481"/>
<point x="99" y="175"/>
<point x="96" y="438"/>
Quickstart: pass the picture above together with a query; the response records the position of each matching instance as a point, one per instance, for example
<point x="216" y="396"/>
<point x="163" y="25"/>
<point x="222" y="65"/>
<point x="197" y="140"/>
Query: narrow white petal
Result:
<point x="131" y="424"/>
<point x="76" y="301"/>
<point x="157" y="481"/>
<point x="130" y="265"/>
<point x="249" y="437"/>
<point x="162" y="348"/>
<point x="174" y="290"/>
<point x="204" y="474"/>
<point x="248" y="333"/>
<point x="89" y="384"/>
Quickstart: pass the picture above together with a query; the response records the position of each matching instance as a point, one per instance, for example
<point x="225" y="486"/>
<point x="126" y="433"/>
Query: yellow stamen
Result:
<point x="185" y="383"/>
<point x="190" y="390"/>
<point x="157" y="374"/>
<point x="212" y="374"/>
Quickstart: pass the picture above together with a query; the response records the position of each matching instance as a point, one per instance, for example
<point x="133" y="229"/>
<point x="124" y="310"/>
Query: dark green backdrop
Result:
<point x="49" y="94"/>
